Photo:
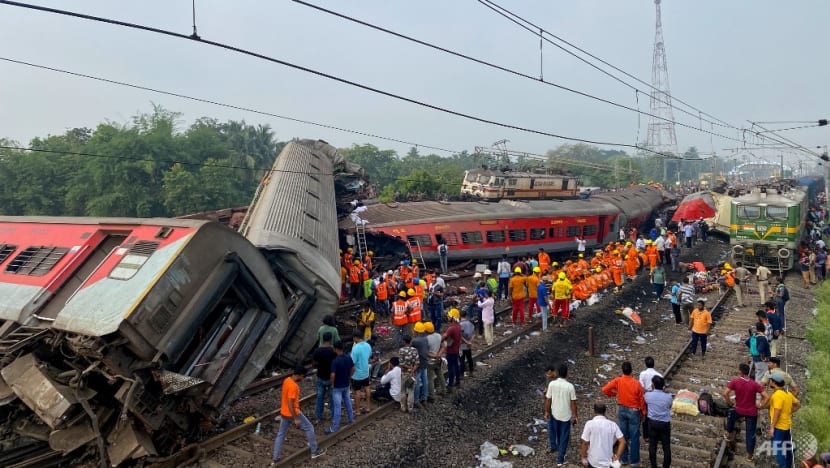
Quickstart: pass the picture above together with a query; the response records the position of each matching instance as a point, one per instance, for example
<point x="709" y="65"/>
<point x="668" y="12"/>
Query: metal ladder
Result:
<point x="360" y="238"/>
<point x="420" y="255"/>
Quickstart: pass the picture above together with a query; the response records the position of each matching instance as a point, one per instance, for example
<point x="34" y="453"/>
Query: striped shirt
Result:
<point x="687" y="293"/>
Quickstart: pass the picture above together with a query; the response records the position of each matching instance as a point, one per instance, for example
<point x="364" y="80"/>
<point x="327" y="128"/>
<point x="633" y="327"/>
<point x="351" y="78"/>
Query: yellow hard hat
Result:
<point x="628" y="243"/>
<point x="517" y="270"/>
<point x="414" y="261"/>
<point x="727" y="266"/>
<point x="555" y="264"/>
<point x="562" y="275"/>
<point x="599" y="270"/>
<point x="411" y="292"/>
<point x="580" y="255"/>
<point x="598" y="253"/>
<point x="349" y="249"/>
<point x="402" y="294"/>
<point x="356" y="262"/>
<point x="454" y="313"/>
<point x="419" y="327"/>
<point x="537" y="270"/>
<point x="616" y="252"/>
<point x="429" y="327"/>
<point x="648" y="241"/>
<point x="723" y="272"/>
<point x="370" y="253"/>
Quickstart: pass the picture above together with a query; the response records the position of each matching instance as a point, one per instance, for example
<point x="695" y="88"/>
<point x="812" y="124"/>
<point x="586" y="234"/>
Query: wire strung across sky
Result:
<point x="533" y="28"/>
<point x="332" y="77"/>
<point x="503" y="68"/>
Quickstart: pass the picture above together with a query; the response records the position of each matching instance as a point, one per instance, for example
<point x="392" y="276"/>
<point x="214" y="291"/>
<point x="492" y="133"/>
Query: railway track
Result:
<point x="698" y="440"/>
<point x="239" y="441"/>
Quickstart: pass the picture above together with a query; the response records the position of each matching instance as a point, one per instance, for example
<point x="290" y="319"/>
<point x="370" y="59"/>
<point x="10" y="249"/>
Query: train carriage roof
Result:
<point x="790" y="198"/>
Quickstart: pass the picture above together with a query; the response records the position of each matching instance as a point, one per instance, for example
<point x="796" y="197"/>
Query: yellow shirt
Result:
<point x="701" y="320"/>
<point x="532" y="282"/>
<point x="782" y="400"/>
<point x="562" y="289"/>
<point x="517" y="287"/>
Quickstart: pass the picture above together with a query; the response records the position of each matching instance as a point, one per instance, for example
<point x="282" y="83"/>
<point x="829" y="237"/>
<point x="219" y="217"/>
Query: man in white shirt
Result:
<point x="560" y="411"/>
<point x="580" y="244"/>
<point x="646" y="375"/>
<point x="390" y="383"/>
<point x="762" y="276"/>
<point x="598" y="438"/>
<point x="640" y="243"/>
<point x="660" y="243"/>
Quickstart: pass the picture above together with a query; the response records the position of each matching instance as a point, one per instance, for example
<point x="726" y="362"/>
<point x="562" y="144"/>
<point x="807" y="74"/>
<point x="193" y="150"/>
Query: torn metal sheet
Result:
<point x="172" y="382"/>
<point x="67" y="440"/>
<point x="128" y="442"/>
<point x="50" y="401"/>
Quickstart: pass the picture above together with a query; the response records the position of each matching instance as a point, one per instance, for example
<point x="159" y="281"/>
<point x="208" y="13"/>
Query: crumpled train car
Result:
<point x="127" y="334"/>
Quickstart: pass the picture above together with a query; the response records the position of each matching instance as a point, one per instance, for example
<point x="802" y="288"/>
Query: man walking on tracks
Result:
<point x="782" y="405"/>
<point x="631" y="408"/>
<point x="290" y="413"/>
<point x="762" y="275"/>
<point x="699" y="323"/>
<point x="659" y="421"/>
<point x="745" y="390"/>
<point x="561" y="413"/>
<point x="687" y="299"/>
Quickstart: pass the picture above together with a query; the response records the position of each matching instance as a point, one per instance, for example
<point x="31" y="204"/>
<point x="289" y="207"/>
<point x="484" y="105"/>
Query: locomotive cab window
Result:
<point x="777" y="212"/>
<point x="495" y="237"/>
<point x="749" y="211"/>
<point x="471" y="237"/>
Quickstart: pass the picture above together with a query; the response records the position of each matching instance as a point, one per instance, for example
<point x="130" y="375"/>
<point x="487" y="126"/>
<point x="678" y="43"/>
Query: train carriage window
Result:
<point x="5" y="251"/>
<point x="450" y="238"/>
<point x="511" y="181"/>
<point x="557" y="232"/>
<point x="573" y="231"/>
<point x="589" y="230"/>
<point x="748" y="211"/>
<point x="36" y="260"/>
<point x="777" y="212"/>
<point x="471" y="237"/>
<point x="133" y="260"/>
<point x="537" y="233"/>
<point x="495" y="237"/>
<point x="424" y="240"/>
<point x="517" y="235"/>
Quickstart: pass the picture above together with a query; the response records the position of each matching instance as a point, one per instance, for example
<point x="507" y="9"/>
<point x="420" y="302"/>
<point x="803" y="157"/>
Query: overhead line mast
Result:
<point x="661" y="135"/>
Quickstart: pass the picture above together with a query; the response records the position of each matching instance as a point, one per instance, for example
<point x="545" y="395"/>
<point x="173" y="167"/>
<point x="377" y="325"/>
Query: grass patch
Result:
<point x="814" y="416"/>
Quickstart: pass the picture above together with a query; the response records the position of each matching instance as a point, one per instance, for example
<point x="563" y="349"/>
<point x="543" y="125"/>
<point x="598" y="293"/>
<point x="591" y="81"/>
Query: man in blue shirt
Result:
<point x="342" y="369"/>
<point x="361" y="352"/>
<point x="658" y="403"/>
<point x="542" y="300"/>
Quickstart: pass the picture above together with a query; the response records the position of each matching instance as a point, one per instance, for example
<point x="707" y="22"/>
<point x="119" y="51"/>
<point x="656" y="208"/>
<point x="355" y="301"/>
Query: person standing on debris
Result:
<point x="762" y="275"/>
<point x="742" y="276"/>
<point x="361" y="352"/>
<point x="580" y="244"/>
<point x="659" y="420"/>
<point x="744" y="406"/>
<point x="503" y="270"/>
<point x="488" y="316"/>
<point x="782" y="296"/>
<point x="328" y="326"/>
<point x="532" y="285"/>
<point x="782" y="405"/>
<point x="342" y="369"/>
<point x="518" y="296"/>
<point x="435" y="371"/>
<point x="758" y="350"/>
<point x="435" y="303"/>
<point x="562" y="291"/>
<point x="400" y="319"/>
<point x="631" y="408"/>
<point x="561" y="413"/>
<point x="700" y="321"/>
<point x="443" y="250"/>
<point x="421" y="384"/>
<point x="322" y="358"/>
<point x="598" y="438"/>
<point x="290" y="412"/>
<point x="687" y="299"/>
<point x="774" y="365"/>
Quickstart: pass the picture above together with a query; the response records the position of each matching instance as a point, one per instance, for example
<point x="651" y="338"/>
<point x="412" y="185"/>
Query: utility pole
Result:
<point x="782" y="165"/>
<point x="661" y="136"/>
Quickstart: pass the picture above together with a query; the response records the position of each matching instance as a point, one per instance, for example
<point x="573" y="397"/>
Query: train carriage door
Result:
<point x="602" y="229"/>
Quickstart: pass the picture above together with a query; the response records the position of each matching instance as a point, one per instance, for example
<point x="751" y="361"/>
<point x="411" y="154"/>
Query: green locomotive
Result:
<point x="767" y="225"/>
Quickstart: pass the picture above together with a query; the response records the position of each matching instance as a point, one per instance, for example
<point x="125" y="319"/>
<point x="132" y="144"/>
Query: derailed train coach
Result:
<point x="127" y="334"/>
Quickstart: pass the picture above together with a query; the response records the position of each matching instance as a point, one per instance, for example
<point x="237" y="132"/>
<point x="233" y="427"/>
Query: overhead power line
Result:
<point x="226" y="105"/>
<point x="533" y="28"/>
<point x="328" y="76"/>
<point x="502" y="68"/>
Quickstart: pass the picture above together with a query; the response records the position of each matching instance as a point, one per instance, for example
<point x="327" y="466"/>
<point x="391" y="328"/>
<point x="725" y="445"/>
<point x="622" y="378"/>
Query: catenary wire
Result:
<point x="504" y="12"/>
<point x="503" y="68"/>
<point x="329" y="76"/>
<point x="226" y="105"/>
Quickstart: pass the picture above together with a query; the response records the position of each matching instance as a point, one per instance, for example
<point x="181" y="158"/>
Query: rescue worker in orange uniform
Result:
<point x="347" y="257"/>
<point x="652" y="255"/>
<point x="416" y="271"/>
<point x="597" y="260"/>
<point x="418" y="286"/>
<point x="532" y="284"/>
<point x="414" y="305"/>
<point x="582" y="266"/>
<point x="544" y="259"/>
<point x="516" y="288"/>
<point x="632" y="264"/>
<point x="367" y="260"/>
<point x="617" y="272"/>
<point x="400" y="318"/>
<point x="354" y="280"/>
<point x="382" y="296"/>
<point x="344" y="276"/>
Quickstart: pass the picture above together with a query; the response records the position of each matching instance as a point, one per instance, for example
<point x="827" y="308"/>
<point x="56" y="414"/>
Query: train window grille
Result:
<point x="773" y="212"/>
<point x="537" y="233"/>
<point x="573" y="231"/>
<point x="450" y="238"/>
<point x="749" y="211"/>
<point x="5" y="251"/>
<point x="517" y="235"/>
<point x="589" y="230"/>
<point x="471" y="237"/>
<point x="36" y="260"/>
<point x="424" y="240"/>
<point x="556" y="232"/>
<point x="133" y="260"/>
<point x="495" y="237"/>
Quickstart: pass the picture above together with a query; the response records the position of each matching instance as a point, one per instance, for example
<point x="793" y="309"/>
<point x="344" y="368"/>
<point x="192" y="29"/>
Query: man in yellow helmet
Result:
<point x="516" y="288"/>
<point x="562" y="290"/>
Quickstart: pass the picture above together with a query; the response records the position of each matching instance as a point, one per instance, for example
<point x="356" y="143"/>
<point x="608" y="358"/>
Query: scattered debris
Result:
<point x="736" y="338"/>
<point x="522" y="450"/>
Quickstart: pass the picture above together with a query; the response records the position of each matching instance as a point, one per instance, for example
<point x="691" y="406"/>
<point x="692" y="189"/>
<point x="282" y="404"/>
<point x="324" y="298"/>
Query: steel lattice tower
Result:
<point x="661" y="136"/>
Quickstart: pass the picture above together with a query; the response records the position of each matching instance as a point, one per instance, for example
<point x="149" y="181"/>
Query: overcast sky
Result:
<point x="759" y="60"/>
